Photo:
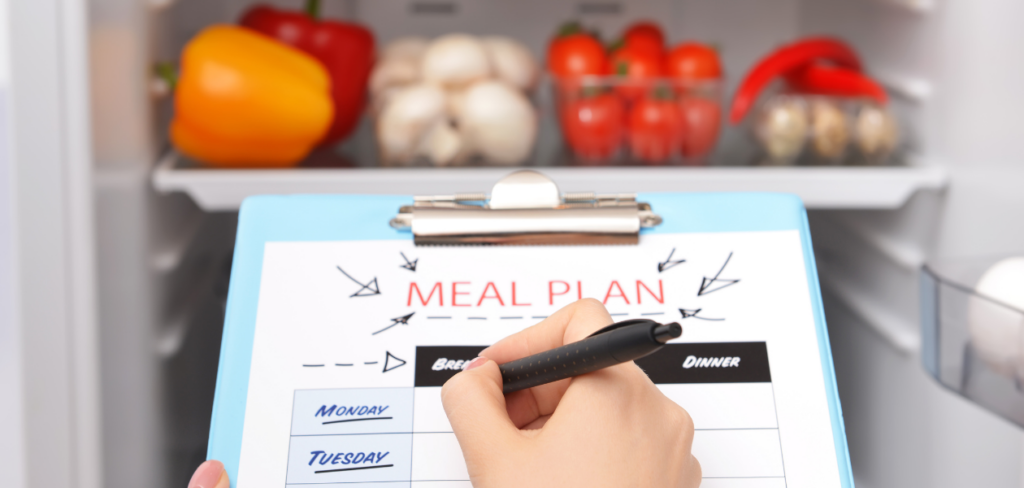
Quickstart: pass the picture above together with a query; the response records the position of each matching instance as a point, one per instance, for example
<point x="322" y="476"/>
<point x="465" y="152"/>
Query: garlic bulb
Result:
<point x="830" y="132"/>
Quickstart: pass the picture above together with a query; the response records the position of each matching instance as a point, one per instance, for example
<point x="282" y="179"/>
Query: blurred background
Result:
<point x="123" y="163"/>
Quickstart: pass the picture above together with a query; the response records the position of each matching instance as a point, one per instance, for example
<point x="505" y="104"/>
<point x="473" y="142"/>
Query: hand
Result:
<point x="210" y="474"/>
<point x="612" y="427"/>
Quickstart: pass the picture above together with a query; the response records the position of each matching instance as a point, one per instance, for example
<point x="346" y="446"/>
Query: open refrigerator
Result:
<point x="120" y="247"/>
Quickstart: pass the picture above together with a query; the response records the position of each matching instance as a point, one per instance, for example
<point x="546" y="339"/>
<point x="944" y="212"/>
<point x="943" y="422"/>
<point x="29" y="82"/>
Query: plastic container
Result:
<point x="822" y="130"/>
<point x="953" y="327"/>
<point x="609" y="120"/>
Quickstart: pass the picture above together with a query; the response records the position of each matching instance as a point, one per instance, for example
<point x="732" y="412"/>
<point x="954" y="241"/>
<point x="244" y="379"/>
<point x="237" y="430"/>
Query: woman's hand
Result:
<point x="210" y="474"/>
<point x="612" y="427"/>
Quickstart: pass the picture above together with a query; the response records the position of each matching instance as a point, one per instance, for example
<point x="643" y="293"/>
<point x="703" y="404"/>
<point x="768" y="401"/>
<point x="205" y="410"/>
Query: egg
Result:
<point x="829" y="130"/>
<point x="782" y="127"/>
<point x="995" y="320"/>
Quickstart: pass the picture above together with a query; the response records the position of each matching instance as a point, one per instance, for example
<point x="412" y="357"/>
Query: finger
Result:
<point x="475" y="407"/>
<point x="570" y="324"/>
<point x="210" y="474"/>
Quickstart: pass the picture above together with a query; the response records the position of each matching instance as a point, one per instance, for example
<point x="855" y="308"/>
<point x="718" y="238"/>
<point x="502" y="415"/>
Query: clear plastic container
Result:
<point x="609" y="120"/>
<point x="972" y="343"/>
<point x="823" y="130"/>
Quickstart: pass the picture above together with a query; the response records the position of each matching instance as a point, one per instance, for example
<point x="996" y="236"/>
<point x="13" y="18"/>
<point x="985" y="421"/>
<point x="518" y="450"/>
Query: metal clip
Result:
<point x="526" y="207"/>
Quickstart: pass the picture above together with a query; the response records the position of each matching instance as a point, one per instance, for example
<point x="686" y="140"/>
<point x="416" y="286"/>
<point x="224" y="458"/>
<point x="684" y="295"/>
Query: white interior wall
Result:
<point x="904" y="428"/>
<point x="12" y="436"/>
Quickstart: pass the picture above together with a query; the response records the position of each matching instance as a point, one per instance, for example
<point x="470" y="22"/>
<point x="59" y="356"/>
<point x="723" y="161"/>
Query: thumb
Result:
<point x="210" y="474"/>
<point x="475" y="407"/>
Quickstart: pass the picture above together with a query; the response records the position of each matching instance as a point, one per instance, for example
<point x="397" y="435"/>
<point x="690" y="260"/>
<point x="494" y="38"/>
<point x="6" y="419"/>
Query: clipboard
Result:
<point x="264" y="439"/>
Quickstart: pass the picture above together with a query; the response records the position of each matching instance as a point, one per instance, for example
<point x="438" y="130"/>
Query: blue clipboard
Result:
<point x="264" y="219"/>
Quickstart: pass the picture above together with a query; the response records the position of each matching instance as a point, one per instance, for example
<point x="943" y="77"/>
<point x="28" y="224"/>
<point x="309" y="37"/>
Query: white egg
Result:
<point x="997" y="330"/>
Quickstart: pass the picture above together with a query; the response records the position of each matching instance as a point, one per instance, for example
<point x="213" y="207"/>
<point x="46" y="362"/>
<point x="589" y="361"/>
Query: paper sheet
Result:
<point x="354" y="339"/>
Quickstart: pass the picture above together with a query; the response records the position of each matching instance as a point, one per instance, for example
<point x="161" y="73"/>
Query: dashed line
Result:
<point x="511" y="318"/>
<point x="343" y="364"/>
<point x="539" y="317"/>
<point x="370" y="362"/>
<point x="618" y="314"/>
<point x="439" y="318"/>
<point x="478" y="318"/>
<point x="653" y="313"/>
<point x="312" y="365"/>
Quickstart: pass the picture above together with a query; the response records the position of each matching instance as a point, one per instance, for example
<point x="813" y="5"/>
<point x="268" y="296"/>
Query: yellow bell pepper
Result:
<point x="244" y="99"/>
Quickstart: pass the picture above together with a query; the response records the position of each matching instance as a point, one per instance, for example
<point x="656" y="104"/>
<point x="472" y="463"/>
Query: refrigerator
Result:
<point x="114" y="252"/>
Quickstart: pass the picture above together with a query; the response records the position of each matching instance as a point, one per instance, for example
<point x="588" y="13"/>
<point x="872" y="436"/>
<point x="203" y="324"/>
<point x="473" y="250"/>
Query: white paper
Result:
<point x="333" y="328"/>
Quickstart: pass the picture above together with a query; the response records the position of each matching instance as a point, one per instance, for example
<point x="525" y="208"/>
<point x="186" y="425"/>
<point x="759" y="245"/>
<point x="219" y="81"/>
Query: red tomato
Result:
<point x="593" y="126"/>
<point x="639" y="67"/>
<point x="644" y="34"/>
<point x="655" y="129"/>
<point x="693" y="61"/>
<point x="576" y="54"/>
<point x="701" y="119"/>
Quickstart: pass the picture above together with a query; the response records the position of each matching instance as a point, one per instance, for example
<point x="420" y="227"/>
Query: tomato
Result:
<point x="655" y="129"/>
<point x="639" y="67"/>
<point x="594" y="126"/>
<point x="693" y="61"/>
<point x="644" y="35"/>
<point x="576" y="54"/>
<point x="701" y="119"/>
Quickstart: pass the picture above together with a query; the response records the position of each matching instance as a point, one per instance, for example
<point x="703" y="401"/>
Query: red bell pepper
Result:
<point x="817" y="79"/>
<point x="345" y="49"/>
<point x="784" y="60"/>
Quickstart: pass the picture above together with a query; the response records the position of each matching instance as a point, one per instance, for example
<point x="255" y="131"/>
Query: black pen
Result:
<point x="615" y="344"/>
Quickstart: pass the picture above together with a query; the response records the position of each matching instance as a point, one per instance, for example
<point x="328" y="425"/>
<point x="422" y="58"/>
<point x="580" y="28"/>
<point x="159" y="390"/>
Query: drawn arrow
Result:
<point x="669" y="263"/>
<point x="391" y="358"/>
<point x="691" y="313"/>
<point x="368" y="289"/>
<point x="403" y="320"/>
<point x="707" y="285"/>
<point x="409" y="265"/>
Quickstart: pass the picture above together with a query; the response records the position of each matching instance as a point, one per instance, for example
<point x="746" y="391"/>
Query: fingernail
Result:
<point x="208" y="475"/>
<point x="476" y="363"/>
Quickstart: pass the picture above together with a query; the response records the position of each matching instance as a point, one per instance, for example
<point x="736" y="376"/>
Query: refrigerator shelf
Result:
<point x="970" y="342"/>
<point x="874" y="188"/>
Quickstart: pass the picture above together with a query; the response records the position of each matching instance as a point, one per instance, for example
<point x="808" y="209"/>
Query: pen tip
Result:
<point x="667" y="332"/>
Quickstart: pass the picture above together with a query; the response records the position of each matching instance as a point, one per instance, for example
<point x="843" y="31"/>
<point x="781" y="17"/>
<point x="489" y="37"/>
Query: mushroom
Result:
<point x="443" y="144"/>
<point x="455" y="60"/>
<point x="405" y="48"/>
<point x="498" y="122"/>
<point x="511" y="62"/>
<point x="406" y="119"/>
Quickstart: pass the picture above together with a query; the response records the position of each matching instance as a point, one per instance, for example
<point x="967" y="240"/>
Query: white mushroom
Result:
<point x="511" y="62"/>
<point x="455" y="60"/>
<point x="391" y="72"/>
<point x="443" y="144"/>
<point x="498" y="122"/>
<point x="406" y="119"/>
<point x="405" y="48"/>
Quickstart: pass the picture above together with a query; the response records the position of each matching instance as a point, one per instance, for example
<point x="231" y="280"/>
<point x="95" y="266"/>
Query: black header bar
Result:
<point x="435" y="364"/>
<point x="708" y="362"/>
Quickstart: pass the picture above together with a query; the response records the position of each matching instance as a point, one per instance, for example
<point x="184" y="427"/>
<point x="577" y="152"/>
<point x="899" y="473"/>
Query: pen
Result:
<point x="615" y="344"/>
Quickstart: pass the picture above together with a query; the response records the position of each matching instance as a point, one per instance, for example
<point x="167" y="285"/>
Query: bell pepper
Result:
<point x="246" y="100"/>
<point x="784" y="60"/>
<point x="345" y="49"/>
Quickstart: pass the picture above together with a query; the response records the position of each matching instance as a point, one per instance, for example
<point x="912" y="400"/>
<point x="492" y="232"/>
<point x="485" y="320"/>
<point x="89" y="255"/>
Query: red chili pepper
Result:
<point x="817" y="79"/>
<point x="784" y="60"/>
<point x="345" y="49"/>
